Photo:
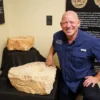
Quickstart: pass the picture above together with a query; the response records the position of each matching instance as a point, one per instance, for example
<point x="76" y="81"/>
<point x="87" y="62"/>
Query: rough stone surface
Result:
<point x="35" y="78"/>
<point x="20" y="43"/>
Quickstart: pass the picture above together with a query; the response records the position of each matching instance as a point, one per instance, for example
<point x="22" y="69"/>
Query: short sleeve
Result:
<point x="96" y="49"/>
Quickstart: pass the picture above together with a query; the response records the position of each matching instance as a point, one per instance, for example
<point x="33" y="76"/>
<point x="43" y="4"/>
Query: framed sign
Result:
<point x="2" y="20"/>
<point x="89" y="14"/>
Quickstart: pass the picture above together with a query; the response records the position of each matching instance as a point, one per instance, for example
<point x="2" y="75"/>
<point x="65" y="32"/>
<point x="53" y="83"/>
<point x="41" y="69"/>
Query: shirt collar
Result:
<point x="76" y="39"/>
<point x="78" y="35"/>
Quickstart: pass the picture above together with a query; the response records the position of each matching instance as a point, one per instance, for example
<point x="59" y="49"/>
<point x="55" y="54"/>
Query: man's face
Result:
<point x="70" y="24"/>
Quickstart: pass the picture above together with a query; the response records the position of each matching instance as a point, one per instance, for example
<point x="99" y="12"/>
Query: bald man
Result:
<point x="76" y="50"/>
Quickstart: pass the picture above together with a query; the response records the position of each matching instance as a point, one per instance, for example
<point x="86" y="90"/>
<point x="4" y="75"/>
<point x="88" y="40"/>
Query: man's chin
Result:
<point x="69" y="34"/>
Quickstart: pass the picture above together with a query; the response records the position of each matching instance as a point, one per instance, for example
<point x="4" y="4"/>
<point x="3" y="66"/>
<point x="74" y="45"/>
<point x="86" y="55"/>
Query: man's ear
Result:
<point x="60" y="23"/>
<point x="79" y="22"/>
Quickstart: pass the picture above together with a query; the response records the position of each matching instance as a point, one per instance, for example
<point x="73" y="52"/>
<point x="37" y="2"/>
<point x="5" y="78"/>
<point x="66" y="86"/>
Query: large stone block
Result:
<point x="23" y="43"/>
<point x="35" y="78"/>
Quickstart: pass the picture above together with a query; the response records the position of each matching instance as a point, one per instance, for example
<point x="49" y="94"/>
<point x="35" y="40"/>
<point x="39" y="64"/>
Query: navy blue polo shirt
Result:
<point x="76" y="59"/>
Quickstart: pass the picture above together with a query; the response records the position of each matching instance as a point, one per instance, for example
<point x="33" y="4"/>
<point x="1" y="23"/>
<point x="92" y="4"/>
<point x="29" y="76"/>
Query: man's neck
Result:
<point x="71" y="38"/>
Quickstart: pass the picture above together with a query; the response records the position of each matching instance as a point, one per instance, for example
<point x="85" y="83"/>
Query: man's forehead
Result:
<point x="70" y="15"/>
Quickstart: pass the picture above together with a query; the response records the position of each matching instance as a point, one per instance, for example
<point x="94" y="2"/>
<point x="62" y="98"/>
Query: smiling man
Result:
<point x="76" y="50"/>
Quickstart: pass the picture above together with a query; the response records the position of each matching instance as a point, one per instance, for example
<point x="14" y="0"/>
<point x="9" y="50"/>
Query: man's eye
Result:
<point x="64" y="22"/>
<point x="71" y="22"/>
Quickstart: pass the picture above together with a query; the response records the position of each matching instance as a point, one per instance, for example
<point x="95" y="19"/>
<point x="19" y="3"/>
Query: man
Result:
<point x="76" y="51"/>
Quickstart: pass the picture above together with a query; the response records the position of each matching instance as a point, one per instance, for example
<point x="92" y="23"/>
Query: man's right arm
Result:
<point x="49" y="60"/>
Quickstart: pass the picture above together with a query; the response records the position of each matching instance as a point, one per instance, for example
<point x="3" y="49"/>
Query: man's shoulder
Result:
<point x="89" y="38"/>
<point x="87" y="35"/>
<point x="59" y="35"/>
<point x="58" y="32"/>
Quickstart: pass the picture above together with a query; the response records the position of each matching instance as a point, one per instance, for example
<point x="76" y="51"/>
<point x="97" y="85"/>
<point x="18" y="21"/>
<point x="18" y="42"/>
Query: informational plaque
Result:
<point x="89" y="14"/>
<point x="2" y="20"/>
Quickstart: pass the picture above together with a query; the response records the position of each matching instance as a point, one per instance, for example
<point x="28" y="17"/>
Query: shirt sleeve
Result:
<point x="96" y="49"/>
<point x="53" y="41"/>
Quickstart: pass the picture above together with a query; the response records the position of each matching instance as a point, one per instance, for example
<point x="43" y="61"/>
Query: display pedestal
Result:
<point x="16" y="58"/>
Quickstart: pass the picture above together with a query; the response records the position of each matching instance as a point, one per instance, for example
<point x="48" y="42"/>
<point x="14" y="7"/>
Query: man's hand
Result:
<point x="90" y="80"/>
<point x="49" y="61"/>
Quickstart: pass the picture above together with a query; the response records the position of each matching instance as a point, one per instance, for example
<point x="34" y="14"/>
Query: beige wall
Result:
<point x="28" y="17"/>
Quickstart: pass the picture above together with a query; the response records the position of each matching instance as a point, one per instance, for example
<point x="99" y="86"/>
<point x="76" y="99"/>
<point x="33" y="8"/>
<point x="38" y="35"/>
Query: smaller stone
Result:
<point x="23" y="43"/>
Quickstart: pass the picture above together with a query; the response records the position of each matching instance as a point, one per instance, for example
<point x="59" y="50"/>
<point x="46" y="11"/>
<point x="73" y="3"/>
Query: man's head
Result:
<point x="70" y="23"/>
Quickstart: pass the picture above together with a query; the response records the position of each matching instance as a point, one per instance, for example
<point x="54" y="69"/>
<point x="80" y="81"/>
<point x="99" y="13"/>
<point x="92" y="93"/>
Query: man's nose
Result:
<point x="68" y="24"/>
